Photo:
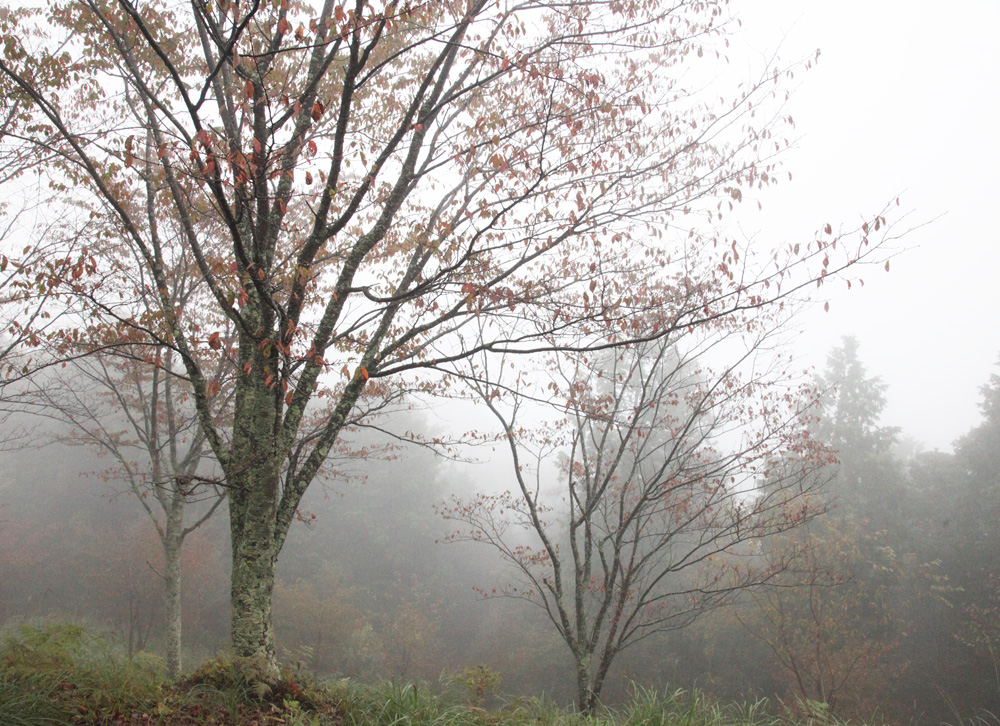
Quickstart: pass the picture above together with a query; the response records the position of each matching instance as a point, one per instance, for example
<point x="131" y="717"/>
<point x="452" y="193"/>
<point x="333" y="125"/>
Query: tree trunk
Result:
<point x="586" y="698"/>
<point x="172" y="600"/>
<point x="252" y="627"/>
<point x="253" y="477"/>
<point x="599" y="677"/>
<point x="255" y="547"/>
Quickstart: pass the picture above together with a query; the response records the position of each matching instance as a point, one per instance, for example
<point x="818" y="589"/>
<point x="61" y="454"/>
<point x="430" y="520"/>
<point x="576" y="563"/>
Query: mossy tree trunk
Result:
<point x="172" y="614"/>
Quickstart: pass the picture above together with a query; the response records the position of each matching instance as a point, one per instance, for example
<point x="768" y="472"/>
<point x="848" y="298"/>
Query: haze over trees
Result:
<point x="370" y="194"/>
<point x="641" y="501"/>
<point x="833" y="619"/>
<point x="141" y="419"/>
<point x="279" y="227"/>
<point x="364" y="591"/>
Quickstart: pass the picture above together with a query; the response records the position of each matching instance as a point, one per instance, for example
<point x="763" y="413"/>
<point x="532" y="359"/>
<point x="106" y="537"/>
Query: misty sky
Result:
<point x="904" y="100"/>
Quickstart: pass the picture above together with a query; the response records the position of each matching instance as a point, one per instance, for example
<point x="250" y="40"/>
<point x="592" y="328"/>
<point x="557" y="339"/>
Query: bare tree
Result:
<point x="139" y="413"/>
<point x="639" y="510"/>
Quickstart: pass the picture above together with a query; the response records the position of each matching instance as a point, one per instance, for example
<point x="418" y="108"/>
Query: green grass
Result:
<point x="61" y="675"/>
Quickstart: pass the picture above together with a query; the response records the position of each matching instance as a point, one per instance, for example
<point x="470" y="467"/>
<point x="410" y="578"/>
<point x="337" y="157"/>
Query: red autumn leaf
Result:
<point x="214" y="342"/>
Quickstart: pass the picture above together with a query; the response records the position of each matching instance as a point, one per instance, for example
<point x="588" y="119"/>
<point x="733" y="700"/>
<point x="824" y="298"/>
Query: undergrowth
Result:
<point x="60" y="675"/>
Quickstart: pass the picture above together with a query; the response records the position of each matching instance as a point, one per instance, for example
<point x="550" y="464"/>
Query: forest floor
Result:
<point x="61" y="675"/>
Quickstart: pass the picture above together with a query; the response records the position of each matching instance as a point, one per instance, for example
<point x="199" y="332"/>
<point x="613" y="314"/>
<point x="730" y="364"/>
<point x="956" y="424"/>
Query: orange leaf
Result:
<point x="213" y="341"/>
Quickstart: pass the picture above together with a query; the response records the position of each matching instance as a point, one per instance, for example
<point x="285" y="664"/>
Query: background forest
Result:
<point x="432" y="343"/>
<point x="890" y="608"/>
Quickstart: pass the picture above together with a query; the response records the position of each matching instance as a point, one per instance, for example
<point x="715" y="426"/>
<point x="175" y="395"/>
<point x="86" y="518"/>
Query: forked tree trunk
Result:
<point x="590" y="684"/>
<point x="598" y="683"/>
<point x="261" y="504"/>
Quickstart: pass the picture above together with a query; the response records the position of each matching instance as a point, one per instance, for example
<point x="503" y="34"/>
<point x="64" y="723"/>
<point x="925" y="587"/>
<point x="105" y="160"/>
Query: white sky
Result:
<point x="904" y="100"/>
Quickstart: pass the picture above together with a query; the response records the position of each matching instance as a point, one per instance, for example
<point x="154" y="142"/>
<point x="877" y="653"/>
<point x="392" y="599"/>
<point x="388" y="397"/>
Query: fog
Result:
<point x="899" y="104"/>
<point x="368" y="588"/>
<point x="815" y="524"/>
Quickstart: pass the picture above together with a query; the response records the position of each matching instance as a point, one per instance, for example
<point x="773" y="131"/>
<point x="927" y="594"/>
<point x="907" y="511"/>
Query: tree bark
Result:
<point x="172" y="593"/>
<point x="586" y="698"/>
<point x="254" y="496"/>
<point x="252" y="587"/>
<point x="255" y="548"/>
